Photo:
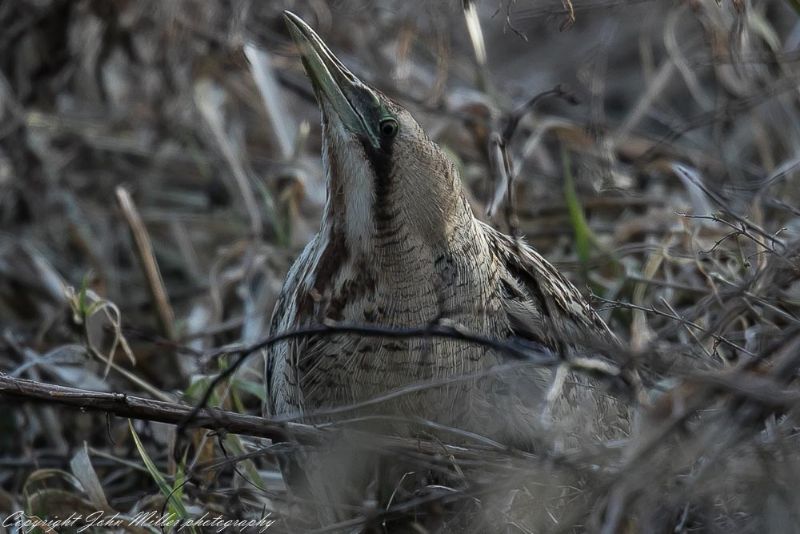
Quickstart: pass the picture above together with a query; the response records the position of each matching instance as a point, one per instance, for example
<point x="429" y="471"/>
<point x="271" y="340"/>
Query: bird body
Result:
<point x="404" y="282"/>
<point x="399" y="246"/>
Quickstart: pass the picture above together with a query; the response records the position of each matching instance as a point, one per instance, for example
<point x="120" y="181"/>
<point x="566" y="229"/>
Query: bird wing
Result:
<point x="283" y="393"/>
<point x="542" y="305"/>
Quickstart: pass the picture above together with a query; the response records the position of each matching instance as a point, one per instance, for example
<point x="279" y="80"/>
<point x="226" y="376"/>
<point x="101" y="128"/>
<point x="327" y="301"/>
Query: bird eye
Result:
<point x="389" y="128"/>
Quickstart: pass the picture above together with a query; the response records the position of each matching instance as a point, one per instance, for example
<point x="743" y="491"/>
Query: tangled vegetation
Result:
<point x="159" y="170"/>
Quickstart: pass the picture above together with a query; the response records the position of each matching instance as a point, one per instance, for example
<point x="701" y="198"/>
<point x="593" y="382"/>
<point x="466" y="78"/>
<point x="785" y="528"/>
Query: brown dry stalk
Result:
<point x="174" y="413"/>
<point x="123" y="405"/>
<point x="144" y="249"/>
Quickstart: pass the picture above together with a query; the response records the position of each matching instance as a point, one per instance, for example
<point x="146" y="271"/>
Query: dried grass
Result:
<point x="684" y="159"/>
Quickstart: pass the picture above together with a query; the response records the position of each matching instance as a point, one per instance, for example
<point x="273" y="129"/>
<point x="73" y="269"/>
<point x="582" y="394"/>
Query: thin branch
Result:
<point x="123" y="405"/>
<point x="519" y="350"/>
<point x="681" y="320"/>
<point x="129" y="406"/>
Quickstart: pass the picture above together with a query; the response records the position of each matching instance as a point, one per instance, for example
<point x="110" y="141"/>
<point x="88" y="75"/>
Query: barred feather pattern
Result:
<point x="477" y="277"/>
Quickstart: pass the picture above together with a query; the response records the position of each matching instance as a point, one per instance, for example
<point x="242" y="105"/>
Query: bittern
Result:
<point x="400" y="247"/>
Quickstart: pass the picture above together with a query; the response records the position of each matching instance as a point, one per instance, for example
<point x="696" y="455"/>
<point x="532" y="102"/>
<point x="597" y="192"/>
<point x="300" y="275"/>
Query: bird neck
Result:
<point x="377" y="220"/>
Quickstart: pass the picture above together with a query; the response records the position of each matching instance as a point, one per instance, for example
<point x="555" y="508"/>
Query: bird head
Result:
<point x="381" y="168"/>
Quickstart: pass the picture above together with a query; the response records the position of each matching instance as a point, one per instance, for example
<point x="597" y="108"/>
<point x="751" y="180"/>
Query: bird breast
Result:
<point x="406" y="282"/>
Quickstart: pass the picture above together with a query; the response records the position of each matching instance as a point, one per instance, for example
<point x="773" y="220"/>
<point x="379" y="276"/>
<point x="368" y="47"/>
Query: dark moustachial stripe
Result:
<point x="381" y="162"/>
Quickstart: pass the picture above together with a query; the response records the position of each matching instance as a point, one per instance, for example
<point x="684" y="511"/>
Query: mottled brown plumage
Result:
<point x="399" y="246"/>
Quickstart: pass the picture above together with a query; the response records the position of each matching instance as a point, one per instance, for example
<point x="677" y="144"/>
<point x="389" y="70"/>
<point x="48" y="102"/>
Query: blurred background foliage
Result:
<point x="160" y="169"/>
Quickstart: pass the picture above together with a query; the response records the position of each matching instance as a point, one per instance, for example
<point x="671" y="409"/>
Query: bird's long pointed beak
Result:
<point x="350" y="99"/>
